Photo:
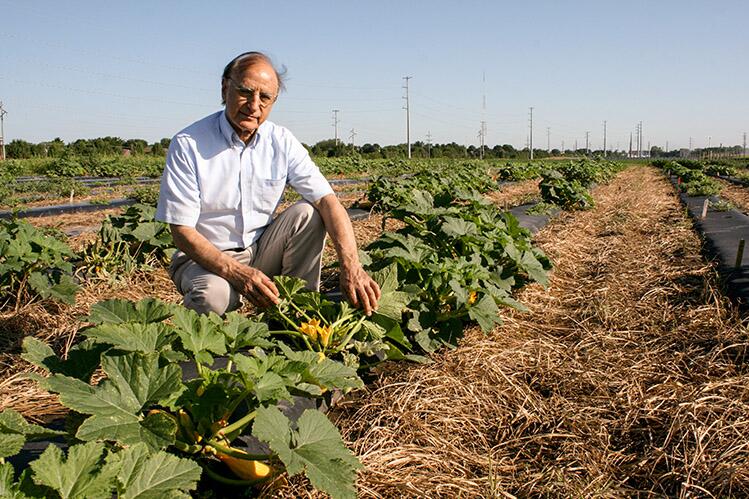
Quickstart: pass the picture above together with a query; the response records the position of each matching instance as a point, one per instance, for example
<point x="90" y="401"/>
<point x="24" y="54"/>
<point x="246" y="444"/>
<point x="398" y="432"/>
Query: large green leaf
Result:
<point x="315" y="448"/>
<point x="485" y="313"/>
<point x="134" y="381"/>
<point x="143" y="475"/>
<point x="82" y="475"/>
<point x="200" y="334"/>
<point x="15" y="431"/>
<point x="392" y="302"/>
<point x="82" y="361"/>
<point x="117" y="311"/>
<point x="133" y="337"/>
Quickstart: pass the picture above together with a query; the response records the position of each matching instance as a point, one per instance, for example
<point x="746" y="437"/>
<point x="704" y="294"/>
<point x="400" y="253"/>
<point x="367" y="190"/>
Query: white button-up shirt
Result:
<point x="227" y="190"/>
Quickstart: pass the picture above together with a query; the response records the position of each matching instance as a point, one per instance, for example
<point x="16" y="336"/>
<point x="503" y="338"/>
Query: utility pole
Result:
<point x="3" y="112"/>
<point x="709" y="144"/>
<point x="429" y="144"/>
<point x="530" y="137"/>
<point x="743" y="151"/>
<point x="562" y="148"/>
<point x="641" y="139"/>
<point x="352" y="136"/>
<point x="689" y="154"/>
<point x="408" y="117"/>
<point x="587" y="143"/>
<point x="630" y="145"/>
<point x="482" y="132"/>
<point x="575" y="146"/>
<point x="604" y="138"/>
<point x="548" y="139"/>
<point x="666" y="151"/>
<point x="335" y="125"/>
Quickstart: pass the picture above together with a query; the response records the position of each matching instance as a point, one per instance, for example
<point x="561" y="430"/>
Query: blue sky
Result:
<point x="80" y="69"/>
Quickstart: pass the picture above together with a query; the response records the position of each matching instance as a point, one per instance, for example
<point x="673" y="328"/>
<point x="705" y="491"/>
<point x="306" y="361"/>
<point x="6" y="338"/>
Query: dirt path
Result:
<point x="627" y="377"/>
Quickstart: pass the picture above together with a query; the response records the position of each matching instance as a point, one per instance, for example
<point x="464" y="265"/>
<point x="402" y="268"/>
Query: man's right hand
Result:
<point x="248" y="281"/>
<point x="254" y="285"/>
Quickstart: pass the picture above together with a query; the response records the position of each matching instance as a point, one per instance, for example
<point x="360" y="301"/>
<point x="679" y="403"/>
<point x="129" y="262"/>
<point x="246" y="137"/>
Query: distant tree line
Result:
<point x="332" y="149"/>
<point x="102" y="146"/>
<point x="329" y="148"/>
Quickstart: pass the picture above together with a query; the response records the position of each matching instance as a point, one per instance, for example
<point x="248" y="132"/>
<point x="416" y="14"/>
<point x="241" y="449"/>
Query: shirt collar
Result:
<point x="230" y="135"/>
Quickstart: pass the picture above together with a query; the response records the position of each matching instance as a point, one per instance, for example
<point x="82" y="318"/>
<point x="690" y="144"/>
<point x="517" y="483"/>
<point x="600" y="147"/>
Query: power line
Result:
<point x="408" y="116"/>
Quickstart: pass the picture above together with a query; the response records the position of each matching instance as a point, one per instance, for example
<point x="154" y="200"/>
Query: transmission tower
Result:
<point x="604" y="138"/>
<point x="352" y="137"/>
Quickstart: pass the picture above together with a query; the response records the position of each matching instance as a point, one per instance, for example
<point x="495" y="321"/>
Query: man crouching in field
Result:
<point x="224" y="177"/>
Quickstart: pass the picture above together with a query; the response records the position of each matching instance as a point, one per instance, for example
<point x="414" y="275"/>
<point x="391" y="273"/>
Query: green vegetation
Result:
<point x="33" y="266"/>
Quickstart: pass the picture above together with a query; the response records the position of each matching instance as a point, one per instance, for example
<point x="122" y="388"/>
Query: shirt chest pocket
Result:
<point x="268" y="194"/>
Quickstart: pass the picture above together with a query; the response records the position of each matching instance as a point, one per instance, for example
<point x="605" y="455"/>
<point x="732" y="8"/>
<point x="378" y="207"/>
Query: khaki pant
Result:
<point x="291" y="245"/>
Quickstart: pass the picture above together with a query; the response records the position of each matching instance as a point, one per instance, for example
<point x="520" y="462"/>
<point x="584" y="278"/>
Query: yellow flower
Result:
<point x="310" y="328"/>
<point x="472" y="297"/>
<point x="325" y="333"/>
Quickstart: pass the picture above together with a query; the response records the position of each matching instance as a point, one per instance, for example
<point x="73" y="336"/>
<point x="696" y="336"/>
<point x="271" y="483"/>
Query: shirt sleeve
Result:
<point x="179" y="195"/>
<point x="303" y="175"/>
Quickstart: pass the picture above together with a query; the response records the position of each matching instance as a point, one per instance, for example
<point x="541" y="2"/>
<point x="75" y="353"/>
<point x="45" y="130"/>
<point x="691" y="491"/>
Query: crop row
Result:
<point x="147" y="431"/>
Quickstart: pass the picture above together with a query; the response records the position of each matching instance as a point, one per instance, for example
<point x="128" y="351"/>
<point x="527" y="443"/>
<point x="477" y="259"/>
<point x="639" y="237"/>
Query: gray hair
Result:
<point x="250" y="58"/>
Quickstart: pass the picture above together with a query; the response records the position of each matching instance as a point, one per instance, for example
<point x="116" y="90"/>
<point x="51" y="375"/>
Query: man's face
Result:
<point x="249" y="94"/>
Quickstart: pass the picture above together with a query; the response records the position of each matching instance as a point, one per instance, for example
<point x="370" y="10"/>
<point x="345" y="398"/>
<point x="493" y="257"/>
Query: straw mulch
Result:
<point x="628" y="377"/>
<point x="515" y="193"/>
<point x="736" y="195"/>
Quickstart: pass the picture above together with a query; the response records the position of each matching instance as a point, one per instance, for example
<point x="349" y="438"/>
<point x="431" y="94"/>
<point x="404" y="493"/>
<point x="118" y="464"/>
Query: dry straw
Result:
<point x="626" y="378"/>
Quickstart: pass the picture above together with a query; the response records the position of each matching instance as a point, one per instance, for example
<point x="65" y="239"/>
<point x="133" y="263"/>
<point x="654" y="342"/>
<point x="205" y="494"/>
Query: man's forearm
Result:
<point x="204" y="253"/>
<point x="338" y="225"/>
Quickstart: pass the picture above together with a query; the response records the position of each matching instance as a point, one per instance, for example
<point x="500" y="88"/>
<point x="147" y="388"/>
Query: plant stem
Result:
<point x="350" y="335"/>
<point x="239" y="423"/>
<point x="187" y="449"/>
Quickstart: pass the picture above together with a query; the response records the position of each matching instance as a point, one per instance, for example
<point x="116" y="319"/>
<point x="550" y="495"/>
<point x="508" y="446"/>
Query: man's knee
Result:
<point x="305" y="215"/>
<point x="216" y="296"/>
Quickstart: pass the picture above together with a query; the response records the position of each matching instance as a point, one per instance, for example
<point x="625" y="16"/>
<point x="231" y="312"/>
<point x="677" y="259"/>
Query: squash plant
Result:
<point x="460" y="257"/>
<point x="33" y="266"/>
<point x="309" y="321"/>
<point x="128" y="242"/>
<point x="146" y="415"/>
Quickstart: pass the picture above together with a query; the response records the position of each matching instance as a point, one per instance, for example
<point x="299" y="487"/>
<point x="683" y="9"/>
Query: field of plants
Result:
<point x="598" y="357"/>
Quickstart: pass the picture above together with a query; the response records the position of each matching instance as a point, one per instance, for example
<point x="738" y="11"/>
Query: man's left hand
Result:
<point x="360" y="289"/>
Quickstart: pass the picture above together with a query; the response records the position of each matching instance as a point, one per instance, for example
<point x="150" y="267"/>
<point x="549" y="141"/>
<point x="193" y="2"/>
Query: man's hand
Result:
<point x="360" y="289"/>
<point x="255" y="286"/>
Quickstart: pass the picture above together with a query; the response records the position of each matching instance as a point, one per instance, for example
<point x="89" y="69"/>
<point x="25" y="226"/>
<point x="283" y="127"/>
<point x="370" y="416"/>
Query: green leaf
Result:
<point x="81" y="475"/>
<point x="200" y="334"/>
<point x="118" y="311"/>
<point x="392" y="302"/>
<point x="12" y="490"/>
<point x="316" y="449"/>
<point x="134" y="381"/>
<point x="485" y="313"/>
<point x="11" y="422"/>
<point x="132" y="337"/>
<point x="457" y="227"/>
<point x="11" y="444"/>
<point x="144" y="475"/>
<point x="82" y="361"/>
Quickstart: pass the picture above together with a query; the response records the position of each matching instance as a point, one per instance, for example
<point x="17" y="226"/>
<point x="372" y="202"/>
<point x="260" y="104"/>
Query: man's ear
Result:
<point x="224" y="88"/>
